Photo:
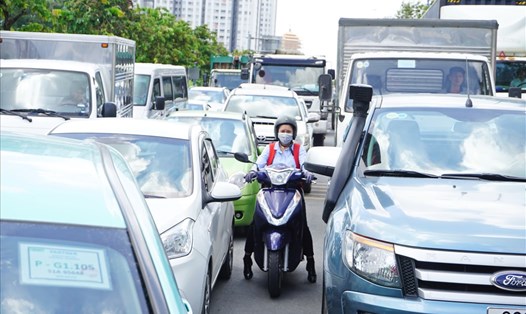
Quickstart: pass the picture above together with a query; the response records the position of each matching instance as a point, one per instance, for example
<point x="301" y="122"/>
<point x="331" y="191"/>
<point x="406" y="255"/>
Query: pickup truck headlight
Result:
<point x="371" y="259"/>
<point x="177" y="241"/>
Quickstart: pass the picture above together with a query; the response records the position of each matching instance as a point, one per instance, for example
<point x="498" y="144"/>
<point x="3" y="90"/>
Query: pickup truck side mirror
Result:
<point x="325" y="84"/>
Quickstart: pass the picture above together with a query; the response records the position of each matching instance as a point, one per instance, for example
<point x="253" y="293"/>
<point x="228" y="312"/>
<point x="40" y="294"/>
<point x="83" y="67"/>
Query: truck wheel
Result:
<point x="274" y="274"/>
<point x="318" y="139"/>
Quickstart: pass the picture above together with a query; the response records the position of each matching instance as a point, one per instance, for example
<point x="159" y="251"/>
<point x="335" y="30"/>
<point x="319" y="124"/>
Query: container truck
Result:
<point x="40" y="72"/>
<point x="411" y="56"/>
<point x="299" y="73"/>
<point x="511" y="39"/>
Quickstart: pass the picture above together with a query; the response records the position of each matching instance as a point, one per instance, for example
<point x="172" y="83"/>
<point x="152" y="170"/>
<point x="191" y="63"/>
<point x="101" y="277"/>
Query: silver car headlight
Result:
<point x="177" y="241"/>
<point x="371" y="259"/>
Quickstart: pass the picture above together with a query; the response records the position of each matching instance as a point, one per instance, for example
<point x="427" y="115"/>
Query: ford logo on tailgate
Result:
<point x="511" y="280"/>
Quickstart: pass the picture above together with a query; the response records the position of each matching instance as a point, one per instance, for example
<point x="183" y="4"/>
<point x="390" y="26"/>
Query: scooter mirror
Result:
<point x="241" y="157"/>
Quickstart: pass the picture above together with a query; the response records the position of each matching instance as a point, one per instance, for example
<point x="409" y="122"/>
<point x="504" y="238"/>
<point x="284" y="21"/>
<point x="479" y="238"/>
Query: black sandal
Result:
<point x="247" y="270"/>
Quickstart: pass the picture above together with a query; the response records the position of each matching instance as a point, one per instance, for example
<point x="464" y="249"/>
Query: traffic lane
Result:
<point x="238" y="295"/>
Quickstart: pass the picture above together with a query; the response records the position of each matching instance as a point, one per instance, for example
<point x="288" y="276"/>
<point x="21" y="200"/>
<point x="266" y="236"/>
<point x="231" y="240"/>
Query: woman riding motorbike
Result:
<point x="293" y="154"/>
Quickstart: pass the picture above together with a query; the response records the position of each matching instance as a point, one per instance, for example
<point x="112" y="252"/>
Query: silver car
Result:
<point x="186" y="189"/>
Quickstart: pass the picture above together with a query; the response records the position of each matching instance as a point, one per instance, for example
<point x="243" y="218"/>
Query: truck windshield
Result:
<point x="302" y="79"/>
<point x="229" y="80"/>
<point x="64" y="92"/>
<point x="389" y="75"/>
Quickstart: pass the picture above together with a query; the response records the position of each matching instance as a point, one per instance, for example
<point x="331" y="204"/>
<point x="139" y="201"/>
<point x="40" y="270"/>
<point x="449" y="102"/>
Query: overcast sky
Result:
<point x="316" y="22"/>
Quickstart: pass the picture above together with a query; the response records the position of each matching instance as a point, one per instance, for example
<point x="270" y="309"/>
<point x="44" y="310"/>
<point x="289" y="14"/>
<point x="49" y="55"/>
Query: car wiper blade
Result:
<point x="483" y="176"/>
<point x="399" y="173"/>
<point x="303" y="89"/>
<point x="266" y="117"/>
<point x="14" y="113"/>
<point x="152" y="196"/>
<point x="49" y="113"/>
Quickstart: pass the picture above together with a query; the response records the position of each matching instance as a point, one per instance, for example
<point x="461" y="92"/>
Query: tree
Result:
<point x="24" y="15"/>
<point x="412" y="10"/>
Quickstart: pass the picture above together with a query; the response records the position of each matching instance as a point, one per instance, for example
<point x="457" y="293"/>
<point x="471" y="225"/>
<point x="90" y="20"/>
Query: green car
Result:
<point x="230" y="132"/>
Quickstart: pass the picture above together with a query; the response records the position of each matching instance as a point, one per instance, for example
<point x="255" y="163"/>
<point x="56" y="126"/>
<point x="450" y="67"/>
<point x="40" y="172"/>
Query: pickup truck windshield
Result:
<point x="452" y="142"/>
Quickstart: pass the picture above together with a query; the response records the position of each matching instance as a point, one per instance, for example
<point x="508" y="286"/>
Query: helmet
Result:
<point x="286" y="120"/>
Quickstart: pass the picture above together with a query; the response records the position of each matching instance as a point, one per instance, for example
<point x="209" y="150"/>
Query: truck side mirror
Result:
<point x="515" y="92"/>
<point x="159" y="103"/>
<point x="244" y="74"/>
<point x="109" y="110"/>
<point x="325" y="84"/>
<point x="332" y="73"/>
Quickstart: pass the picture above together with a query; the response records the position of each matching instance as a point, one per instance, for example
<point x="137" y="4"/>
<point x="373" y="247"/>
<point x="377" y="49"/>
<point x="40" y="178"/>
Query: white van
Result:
<point x="159" y="89"/>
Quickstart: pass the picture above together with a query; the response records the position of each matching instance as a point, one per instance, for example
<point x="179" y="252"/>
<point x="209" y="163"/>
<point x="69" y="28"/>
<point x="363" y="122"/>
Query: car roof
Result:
<point x="447" y="101"/>
<point x="147" y="127"/>
<point x="263" y="89"/>
<point x="208" y="113"/>
<point x="219" y="89"/>
<point x="149" y="68"/>
<point x="55" y="180"/>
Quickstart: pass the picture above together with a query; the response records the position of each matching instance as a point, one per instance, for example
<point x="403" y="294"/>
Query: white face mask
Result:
<point x="285" y="138"/>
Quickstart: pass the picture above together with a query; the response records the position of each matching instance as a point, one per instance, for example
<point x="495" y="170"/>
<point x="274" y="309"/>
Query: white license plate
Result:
<point x="506" y="311"/>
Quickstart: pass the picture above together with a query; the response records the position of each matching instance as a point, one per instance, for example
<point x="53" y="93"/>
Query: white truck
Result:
<point x="299" y="73"/>
<point x="511" y="39"/>
<point x="410" y="56"/>
<point x="46" y="78"/>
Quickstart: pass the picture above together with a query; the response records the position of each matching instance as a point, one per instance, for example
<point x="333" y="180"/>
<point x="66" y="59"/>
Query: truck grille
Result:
<point x="264" y="140"/>
<point x="457" y="276"/>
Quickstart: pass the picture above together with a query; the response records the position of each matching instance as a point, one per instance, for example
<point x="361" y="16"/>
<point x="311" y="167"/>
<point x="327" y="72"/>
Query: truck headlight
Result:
<point x="177" y="241"/>
<point x="371" y="259"/>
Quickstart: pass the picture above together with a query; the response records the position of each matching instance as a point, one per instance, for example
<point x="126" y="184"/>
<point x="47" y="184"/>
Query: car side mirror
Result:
<point x="109" y="110"/>
<point x="515" y="92"/>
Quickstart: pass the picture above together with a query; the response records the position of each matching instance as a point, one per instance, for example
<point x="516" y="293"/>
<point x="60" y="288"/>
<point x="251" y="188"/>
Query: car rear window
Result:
<point x="48" y="268"/>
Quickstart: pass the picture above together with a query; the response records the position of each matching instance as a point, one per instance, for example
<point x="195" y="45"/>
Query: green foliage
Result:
<point x="411" y="10"/>
<point x="159" y="36"/>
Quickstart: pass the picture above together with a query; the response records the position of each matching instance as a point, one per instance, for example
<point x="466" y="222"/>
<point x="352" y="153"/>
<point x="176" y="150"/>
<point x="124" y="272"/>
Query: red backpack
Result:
<point x="295" y="153"/>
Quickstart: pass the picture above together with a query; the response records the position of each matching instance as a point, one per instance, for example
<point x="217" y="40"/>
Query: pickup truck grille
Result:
<point x="457" y="276"/>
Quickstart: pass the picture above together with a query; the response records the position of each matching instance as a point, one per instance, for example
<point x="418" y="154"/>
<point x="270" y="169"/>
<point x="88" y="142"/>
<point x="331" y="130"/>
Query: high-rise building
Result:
<point x="239" y="24"/>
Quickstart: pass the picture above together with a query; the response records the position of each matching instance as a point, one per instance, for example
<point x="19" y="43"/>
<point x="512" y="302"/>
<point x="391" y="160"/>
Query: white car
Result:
<point x="265" y="103"/>
<point x="214" y="97"/>
<point x="186" y="189"/>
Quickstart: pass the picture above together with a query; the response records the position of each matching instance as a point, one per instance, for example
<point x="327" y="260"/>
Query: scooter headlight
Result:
<point x="279" y="177"/>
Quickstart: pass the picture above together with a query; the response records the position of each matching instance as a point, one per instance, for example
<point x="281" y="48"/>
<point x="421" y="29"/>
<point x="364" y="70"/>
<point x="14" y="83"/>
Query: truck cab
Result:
<point x="300" y="73"/>
<point x="37" y="95"/>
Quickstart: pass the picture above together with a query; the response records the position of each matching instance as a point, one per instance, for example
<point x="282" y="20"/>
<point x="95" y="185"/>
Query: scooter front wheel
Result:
<point x="275" y="274"/>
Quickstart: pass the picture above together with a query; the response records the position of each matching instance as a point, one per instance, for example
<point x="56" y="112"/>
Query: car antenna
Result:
<point x="469" y="103"/>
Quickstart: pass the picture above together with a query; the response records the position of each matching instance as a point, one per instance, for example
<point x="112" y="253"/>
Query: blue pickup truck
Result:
<point x="426" y="207"/>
